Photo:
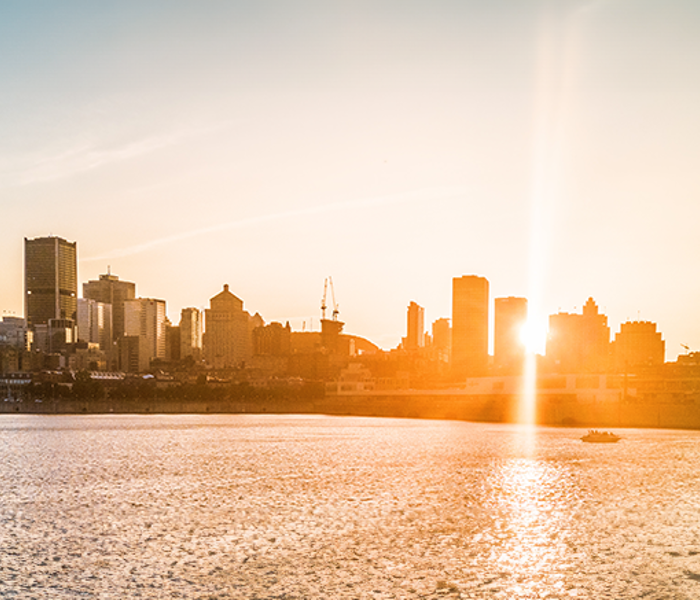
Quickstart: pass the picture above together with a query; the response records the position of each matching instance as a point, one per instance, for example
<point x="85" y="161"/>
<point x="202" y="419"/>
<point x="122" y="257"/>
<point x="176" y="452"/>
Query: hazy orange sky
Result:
<point x="552" y="147"/>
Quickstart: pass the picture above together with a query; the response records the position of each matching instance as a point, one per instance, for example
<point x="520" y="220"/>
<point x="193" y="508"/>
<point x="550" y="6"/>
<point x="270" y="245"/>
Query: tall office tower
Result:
<point x="470" y="326"/>
<point x="442" y="339"/>
<point x="510" y="315"/>
<point x="110" y="290"/>
<point x="144" y="321"/>
<point x="95" y="323"/>
<point x="579" y="343"/>
<point x="638" y="344"/>
<point x="227" y="337"/>
<point x="50" y="279"/>
<point x="191" y="333"/>
<point x="415" y="330"/>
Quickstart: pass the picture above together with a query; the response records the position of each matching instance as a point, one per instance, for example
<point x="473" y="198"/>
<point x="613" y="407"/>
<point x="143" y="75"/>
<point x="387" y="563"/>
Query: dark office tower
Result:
<point x="50" y="280"/>
<point x="510" y="315"/>
<point x="470" y="326"/>
<point x="110" y="290"/>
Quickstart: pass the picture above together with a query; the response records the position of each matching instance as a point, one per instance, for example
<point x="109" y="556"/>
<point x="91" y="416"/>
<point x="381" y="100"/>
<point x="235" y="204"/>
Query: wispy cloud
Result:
<point x="85" y="156"/>
<point x="433" y="194"/>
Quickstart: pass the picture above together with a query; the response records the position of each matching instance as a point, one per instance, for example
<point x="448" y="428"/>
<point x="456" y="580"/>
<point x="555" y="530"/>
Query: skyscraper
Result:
<point x="470" y="326"/>
<point x="144" y="320"/>
<point x="415" y="329"/>
<point x="510" y="315"/>
<point x="228" y="334"/>
<point x="95" y="323"/>
<point x="50" y="279"/>
<point x="191" y="333"/>
<point x="442" y="339"/>
<point x="110" y="290"/>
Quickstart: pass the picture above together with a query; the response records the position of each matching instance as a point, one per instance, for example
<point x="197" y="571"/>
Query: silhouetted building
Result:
<point x="144" y="319"/>
<point x="172" y="341"/>
<point x="110" y="290"/>
<point x="272" y="340"/>
<point x="510" y="315"/>
<point x="50" y="279"/>
<point x="227" y="337"/>
<point x="442" y="339"/>
<point x="638" y="344"/>
<point x="415" y="329"/>
<point x="330" y="336"/>
<point x="470" y="326"/>
<point x="191" y="333"/>
<point x="579" y="343"/>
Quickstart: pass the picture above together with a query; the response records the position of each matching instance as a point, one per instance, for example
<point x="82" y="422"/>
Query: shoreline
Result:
<point x="490" y="409"/>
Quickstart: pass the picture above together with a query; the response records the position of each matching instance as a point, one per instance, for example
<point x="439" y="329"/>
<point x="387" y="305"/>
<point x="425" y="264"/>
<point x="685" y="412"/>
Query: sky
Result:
<point x="549" y="146"/>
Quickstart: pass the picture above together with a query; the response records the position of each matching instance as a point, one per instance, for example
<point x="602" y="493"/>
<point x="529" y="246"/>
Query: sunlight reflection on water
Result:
<point x="321" y="507"/>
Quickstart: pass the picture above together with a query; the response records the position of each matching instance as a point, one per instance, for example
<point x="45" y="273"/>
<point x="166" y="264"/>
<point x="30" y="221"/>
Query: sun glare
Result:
<point x="533" y="336"/>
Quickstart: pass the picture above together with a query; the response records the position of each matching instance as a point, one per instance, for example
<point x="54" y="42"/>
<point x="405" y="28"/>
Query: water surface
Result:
<point x="227" y="506"/>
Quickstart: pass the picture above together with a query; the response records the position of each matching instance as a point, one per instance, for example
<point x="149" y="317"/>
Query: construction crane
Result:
<point x="323" y="300"/>
<point x="328" y="281"/>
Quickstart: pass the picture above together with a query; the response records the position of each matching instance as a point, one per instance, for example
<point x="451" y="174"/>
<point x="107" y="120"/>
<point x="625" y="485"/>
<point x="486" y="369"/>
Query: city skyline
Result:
<point x="471" y="336"/>
<point x="550" y="147"/>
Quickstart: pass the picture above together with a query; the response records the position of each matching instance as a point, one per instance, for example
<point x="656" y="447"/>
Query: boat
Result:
<point x="600" y="437"/>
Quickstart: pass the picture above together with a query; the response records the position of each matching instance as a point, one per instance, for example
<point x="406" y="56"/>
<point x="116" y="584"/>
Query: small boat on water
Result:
<point x="600" y="437"/>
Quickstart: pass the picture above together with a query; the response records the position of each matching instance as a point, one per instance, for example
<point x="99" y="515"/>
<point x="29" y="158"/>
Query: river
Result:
<point x="246" y="506"/>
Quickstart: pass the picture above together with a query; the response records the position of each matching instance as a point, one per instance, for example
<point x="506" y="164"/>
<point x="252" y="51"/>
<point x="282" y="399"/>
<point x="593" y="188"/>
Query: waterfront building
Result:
<point x="144" y="321"/>
<point x="510" y="315"/>
<point x="415" y="329"/>
<point x="50" y="279"/>
<point x="638" y="344"/>
<point x="579" y="343"/>
<point x="109" y="289"/>
<point x="470" y="326"/>
<point x="191" y="333"/>
<point x="227" y="339"/>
